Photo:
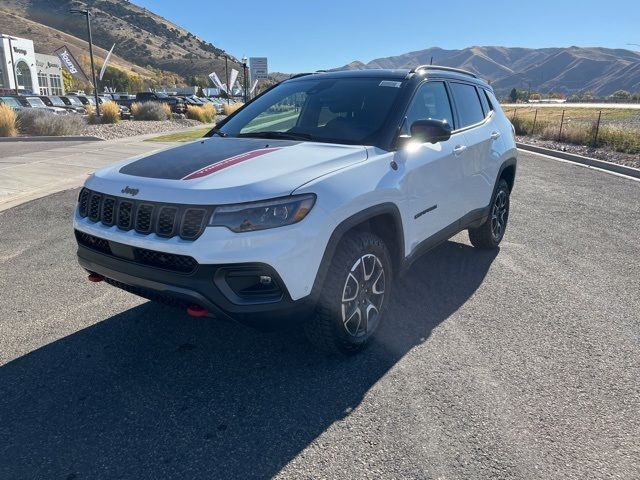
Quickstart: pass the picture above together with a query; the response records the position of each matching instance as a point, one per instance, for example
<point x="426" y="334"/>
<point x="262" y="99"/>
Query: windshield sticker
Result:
<point x="390" y="83"/>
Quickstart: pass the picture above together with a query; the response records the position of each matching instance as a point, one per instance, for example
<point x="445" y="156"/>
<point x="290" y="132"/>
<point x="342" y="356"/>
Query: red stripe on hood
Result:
<point x="228" y="162"/>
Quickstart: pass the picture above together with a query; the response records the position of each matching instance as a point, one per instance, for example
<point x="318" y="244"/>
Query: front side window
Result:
<point x="332" y="110"/>
<point x="431" y="101"/>
<point x="467" y="104"/>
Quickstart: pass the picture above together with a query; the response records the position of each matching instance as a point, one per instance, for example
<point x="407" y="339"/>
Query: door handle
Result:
<point x="459" y="149"/>
<point x="495" y="135"/>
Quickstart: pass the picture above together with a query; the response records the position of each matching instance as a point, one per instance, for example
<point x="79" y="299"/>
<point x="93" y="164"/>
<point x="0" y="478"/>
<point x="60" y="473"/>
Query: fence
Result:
<point x="616" y="129"/>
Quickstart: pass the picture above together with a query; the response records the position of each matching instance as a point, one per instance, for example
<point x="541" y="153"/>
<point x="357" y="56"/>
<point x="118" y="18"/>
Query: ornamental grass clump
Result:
<point x="7" y="121"/>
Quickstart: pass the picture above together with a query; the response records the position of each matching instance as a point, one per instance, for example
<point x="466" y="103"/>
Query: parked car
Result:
<point x="72" y="101"/>
<point x="55" y="101"/>
<point x="36" y="102"/>
<point x="125" y="112"/>
<point x="12" y="102"/>
<point x="177" y="105"/>
<point x="310" y="216"/>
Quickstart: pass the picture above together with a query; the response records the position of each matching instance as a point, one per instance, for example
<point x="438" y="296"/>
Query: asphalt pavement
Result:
<point x="520" y="363"/>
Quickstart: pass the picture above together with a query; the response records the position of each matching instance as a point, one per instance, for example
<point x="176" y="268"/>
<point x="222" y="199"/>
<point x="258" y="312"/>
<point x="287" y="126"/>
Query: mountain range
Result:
<point x="146" y="43"/>
<point x="567" y="70"/>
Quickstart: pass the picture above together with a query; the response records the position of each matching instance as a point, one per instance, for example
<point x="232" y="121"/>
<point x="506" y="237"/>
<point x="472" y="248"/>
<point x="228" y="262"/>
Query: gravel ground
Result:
<point x="516" y="364"/>
<point x="627" y="159"/>
<point x="130" y="128"/>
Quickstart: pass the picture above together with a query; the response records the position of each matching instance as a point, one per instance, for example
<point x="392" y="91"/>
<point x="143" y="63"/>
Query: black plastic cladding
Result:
<point x="165" y="220"/>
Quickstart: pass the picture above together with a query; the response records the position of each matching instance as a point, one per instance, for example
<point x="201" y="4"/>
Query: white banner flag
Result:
<point x="232" y="79"/>
<point x="216" y="81"/>
<point x="255" y="84"/>
<point x="106" y="60"/>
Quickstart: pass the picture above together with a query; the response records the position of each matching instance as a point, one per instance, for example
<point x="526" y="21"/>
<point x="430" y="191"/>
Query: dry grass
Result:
<point x="110" y="112"/>
<point x="36" y="122"/>
<point x="92" y="118"/>
<point x="618" y="129"/>
<point x="150" y="111"/>
<point x="229" y="109"/>
<point x="205" y="113"/>
<point x="7" y="121"/>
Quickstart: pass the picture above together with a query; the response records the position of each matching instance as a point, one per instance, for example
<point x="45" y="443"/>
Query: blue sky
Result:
<point x="308" y="35"/>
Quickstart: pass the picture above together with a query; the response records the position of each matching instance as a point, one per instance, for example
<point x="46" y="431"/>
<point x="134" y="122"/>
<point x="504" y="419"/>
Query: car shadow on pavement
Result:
<point x="153" y="393"/>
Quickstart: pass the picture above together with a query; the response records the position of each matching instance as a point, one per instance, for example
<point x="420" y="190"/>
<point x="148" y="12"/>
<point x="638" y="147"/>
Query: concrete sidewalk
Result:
<point x="35" y="173"/>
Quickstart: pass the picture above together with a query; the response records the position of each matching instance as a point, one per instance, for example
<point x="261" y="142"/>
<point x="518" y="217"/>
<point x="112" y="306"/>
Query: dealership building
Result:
<point x="35" y="72"/>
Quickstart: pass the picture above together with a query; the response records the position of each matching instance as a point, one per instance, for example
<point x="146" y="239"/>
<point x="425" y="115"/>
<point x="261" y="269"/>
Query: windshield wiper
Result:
<point x="215" y="131"/>
<point x="277" y="135"/>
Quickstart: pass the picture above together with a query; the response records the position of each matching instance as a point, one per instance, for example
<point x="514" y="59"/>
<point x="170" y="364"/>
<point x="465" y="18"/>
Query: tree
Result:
<point x="513" y="95"/>
<point x="621" y="94"/>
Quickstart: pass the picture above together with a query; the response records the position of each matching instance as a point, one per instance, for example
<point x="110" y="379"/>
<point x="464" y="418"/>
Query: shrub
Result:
<point x="229" y="109"/>
<point x="150" y="111"/>
<point x="524" y="126"/>
<point x="7" y="121"/>
<point x="92" y="118"/>
<point x="204" y="113"/>
<point x="43" y="123"/>
<point x="110" y="112"/>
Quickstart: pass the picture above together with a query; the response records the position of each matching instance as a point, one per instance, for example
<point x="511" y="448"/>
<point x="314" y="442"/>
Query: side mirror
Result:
<point x="430" y="130"/>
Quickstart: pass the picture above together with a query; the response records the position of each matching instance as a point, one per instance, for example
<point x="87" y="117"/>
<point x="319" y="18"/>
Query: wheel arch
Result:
<point x="383" y="220"/>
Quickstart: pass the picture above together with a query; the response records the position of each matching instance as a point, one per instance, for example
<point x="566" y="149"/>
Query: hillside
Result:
<point x="568" y="70"/>
<point x="145" y="43"/>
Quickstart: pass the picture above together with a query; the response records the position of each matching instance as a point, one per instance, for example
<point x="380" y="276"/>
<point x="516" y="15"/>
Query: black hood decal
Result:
<point x="185" y="161"/>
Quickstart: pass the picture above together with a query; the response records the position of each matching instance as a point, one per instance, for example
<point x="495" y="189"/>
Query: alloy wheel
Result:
<point x="362" y="296"/>
<point x="499" y="214"/>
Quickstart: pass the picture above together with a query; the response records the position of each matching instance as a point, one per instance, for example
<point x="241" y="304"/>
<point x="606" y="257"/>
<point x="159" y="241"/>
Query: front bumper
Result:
<point x="204" y="286"/>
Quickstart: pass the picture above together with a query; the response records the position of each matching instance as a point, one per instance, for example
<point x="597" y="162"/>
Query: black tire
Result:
<point x="328" y="330"/>
<point x="491" y="232"/>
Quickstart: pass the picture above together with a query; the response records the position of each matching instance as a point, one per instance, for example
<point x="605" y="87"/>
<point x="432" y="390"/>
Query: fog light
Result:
<point x="265" y="280"/>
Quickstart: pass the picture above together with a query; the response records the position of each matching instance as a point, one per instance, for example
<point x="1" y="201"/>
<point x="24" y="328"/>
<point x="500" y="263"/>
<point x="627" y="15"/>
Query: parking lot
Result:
<point x="521" y="363"/>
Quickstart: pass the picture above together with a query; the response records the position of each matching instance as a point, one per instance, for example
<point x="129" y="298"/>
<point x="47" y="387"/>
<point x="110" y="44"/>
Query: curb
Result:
<point x="592" y="162"/>
<point x="77" y="138"/>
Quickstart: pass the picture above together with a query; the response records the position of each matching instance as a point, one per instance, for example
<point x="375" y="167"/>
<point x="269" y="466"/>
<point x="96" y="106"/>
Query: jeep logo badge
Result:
<point x="130" y="191"/>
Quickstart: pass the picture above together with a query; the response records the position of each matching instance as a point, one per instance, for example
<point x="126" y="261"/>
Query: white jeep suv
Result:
<point x="308" y="202"/>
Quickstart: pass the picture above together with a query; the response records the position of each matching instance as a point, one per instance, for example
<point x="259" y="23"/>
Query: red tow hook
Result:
<point x="197" y="311"/>
<point x="94" y="277"/>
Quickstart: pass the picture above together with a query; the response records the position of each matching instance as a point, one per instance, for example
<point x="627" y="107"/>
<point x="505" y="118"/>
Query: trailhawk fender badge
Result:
<point x="130" y="191"/>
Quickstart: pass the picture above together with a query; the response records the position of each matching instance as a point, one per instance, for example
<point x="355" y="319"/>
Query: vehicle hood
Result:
<point x="225" y="170"/>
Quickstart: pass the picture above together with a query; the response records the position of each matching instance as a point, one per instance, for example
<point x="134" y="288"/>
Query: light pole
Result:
<point x="87" y="14"/>
<point x="13" y="66"/>
<point x="244" y="73"/>
<point x="226" y="74"/>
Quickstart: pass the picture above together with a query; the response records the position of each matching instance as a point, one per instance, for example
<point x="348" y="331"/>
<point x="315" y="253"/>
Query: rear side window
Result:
<point x="467" y="104"/>
<point x="431" y="101"/>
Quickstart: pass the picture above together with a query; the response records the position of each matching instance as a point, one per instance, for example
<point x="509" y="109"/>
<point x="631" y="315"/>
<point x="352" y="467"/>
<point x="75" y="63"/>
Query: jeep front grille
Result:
<point x="150" y="258"/>
<point x="165" y="220"/>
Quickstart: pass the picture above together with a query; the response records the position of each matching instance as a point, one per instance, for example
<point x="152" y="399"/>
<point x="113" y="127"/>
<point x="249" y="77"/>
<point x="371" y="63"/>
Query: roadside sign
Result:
<point x="258" y="68"/>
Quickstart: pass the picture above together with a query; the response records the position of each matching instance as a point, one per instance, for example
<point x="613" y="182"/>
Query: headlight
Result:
<point x="247" y="217"/>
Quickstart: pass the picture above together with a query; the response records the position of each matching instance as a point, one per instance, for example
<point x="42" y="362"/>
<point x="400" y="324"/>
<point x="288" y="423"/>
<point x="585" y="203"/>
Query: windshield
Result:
<point x="343" y="110"/>
<point x="75" y="101"/>
<point x="35" y="102"/>
<point x="57" y="101"/>
<point x="10" y="101"/>
<point x="161" y="95"/>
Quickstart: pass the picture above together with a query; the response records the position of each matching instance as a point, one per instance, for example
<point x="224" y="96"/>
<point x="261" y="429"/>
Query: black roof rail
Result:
<point x="440" y="67"/>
